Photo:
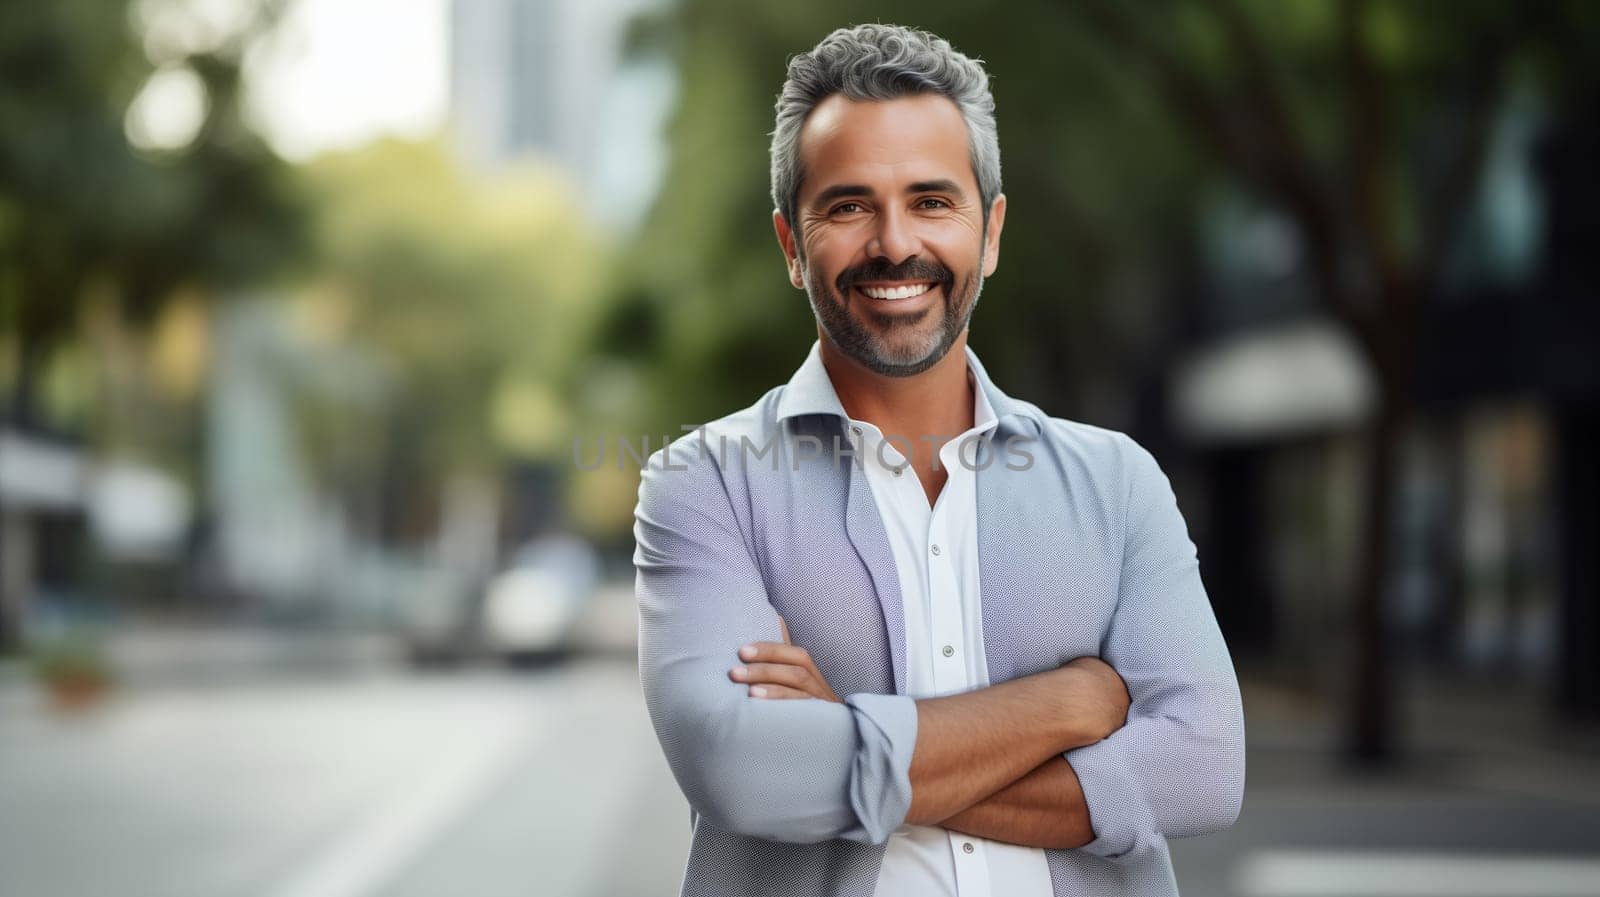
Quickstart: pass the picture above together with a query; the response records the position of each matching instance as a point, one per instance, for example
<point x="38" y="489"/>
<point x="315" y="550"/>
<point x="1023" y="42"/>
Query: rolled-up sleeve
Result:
<point x="1177" y="767"/>
<point x="785" y="770"/>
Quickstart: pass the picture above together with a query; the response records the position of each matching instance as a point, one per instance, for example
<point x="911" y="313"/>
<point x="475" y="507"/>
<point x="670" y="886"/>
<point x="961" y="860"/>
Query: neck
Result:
<point x="937" y="402"/>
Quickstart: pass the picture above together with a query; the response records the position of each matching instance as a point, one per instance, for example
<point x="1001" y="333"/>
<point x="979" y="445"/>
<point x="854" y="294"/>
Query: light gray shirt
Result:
<point x="1081" y="551"/>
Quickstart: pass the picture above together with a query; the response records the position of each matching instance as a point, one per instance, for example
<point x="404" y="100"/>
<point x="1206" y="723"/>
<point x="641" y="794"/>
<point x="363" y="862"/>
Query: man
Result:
<point x="900" y="633"/>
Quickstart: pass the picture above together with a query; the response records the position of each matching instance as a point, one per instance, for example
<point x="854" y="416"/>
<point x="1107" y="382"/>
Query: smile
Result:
<point x="906" y="291"/>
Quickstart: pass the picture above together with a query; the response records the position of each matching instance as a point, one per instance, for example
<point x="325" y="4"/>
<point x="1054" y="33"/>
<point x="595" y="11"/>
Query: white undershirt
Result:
<point x="936" y="556"/>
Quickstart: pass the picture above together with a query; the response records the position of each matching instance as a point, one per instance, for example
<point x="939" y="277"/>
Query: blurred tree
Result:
<point x="96" y="233"/>
<point x="83" y="213"/>
<point x="1365" y="121"/>
<point x="1368" y="122"/>
<point x="475" y="294"/>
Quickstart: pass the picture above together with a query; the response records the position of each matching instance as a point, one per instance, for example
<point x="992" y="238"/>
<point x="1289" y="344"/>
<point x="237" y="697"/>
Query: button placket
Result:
<point x="944" y="623"/>
<point x="898" y="465"/>
<point x="971" y="867"/>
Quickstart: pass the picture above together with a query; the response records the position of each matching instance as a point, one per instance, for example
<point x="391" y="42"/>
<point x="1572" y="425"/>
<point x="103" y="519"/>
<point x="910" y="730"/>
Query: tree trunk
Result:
<point x="24" y="390"/>
<point x="1370" y="729"/>
<point x="16" y="533"/>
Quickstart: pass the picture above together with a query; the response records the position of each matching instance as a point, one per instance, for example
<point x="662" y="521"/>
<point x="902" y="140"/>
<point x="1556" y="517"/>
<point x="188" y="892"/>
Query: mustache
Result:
<point x="880" y="269"/>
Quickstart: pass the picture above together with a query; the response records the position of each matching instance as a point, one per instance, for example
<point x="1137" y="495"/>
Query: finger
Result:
<point x="772" y="673"/>
<point x="778" y="692"/>
<point x="784" y="628"/>
<point x="775" y="652"/>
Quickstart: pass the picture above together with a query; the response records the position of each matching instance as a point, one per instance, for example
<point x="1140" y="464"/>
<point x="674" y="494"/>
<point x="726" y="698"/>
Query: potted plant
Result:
<point x="73" y="670"/>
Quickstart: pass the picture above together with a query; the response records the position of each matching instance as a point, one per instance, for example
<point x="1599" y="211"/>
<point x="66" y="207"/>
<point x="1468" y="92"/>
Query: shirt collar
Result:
<point x="810" y="391"/>
<point x="983" y="416"/>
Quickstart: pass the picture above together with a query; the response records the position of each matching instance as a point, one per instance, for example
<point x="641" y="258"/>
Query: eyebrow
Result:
<point x="839" y="191"/>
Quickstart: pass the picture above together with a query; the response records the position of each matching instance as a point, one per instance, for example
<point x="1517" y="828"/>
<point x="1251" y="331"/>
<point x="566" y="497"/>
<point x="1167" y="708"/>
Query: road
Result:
<point x="483" y="781"/>
<point x="474" y="782"/>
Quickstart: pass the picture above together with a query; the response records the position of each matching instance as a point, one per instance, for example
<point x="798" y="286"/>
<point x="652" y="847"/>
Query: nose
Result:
<point x="894" y="238"/>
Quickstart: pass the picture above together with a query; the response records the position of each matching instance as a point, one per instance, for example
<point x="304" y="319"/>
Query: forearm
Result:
<point x="1044" y="808"/>
<point x="1176" y="767"/>
<point x="971" y="745"/>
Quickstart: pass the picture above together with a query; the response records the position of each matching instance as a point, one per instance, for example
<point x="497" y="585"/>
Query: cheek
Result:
<point x="824" y="243"/>
<point x="953" y="242"/>
<point x="824" y="261"/>
<point x="811" y="271"/>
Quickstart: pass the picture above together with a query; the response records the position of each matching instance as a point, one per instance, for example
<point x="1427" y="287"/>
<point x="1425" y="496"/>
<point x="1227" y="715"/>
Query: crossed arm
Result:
<point x="1044" y="808"/>
<point x="987" y="762"/>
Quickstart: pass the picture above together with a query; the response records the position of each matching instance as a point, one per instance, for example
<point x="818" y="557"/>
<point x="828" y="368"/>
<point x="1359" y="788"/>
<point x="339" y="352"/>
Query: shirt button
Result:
<point x="967" y="846"/>
<point x="899" y="470"/>
<point x="935" y="550"/>
<point x="856" y="430"/>
<point x="949" y="651"/>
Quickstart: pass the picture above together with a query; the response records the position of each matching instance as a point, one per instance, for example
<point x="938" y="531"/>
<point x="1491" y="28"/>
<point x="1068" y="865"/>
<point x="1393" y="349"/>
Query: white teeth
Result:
<point x="905" y="292"/>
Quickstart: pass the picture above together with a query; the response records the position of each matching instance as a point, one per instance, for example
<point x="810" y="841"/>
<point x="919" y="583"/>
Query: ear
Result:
<point x="786" y="242"/>
<point x="991" y="245"/>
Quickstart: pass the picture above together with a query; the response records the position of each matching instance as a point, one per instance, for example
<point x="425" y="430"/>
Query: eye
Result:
<point x="846" y="207"/>
<point x="923" y="203"/>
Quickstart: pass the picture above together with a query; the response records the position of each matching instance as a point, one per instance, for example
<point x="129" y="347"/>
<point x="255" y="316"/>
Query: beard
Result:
<point x="894" y="345"/>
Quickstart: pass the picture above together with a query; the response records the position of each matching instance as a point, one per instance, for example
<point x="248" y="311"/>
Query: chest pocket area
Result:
<point x="1048" y="574"/>
<point x="827" y="599"/>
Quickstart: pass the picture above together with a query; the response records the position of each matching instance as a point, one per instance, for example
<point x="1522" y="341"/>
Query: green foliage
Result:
<point x="475" y="293"/>
<point x="81" y="208"/>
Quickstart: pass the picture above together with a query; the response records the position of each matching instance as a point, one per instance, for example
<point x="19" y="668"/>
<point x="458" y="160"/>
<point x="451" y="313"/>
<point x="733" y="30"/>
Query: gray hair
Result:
<point x="883" y="62"/>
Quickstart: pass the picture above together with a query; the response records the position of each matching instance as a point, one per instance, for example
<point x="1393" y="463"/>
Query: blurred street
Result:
<point x="252" y="777"/>
<point x="262" y="780"/>
<point x="1484" y="807"/>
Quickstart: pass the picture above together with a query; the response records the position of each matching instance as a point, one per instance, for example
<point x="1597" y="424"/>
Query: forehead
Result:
<point x="884" y="143"/>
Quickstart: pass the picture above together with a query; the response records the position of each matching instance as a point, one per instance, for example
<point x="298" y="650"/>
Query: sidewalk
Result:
<point x="160" y="653"/>
<point x="1451" y="737"/>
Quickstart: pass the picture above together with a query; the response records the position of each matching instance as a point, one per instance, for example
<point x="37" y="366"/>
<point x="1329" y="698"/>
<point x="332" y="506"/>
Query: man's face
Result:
<point x="892" y="248"/>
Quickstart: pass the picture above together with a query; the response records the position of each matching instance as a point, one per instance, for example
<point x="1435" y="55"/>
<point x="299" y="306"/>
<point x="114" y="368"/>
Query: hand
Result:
<point x="1101" y="697"/>
<point x="781" y="670"/>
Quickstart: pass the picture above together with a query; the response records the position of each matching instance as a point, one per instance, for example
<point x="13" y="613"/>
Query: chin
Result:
<point x="905" y="364"/>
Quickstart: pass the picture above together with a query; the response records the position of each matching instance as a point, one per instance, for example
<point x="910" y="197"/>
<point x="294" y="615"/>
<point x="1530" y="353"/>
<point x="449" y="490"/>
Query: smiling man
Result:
<point x="901" y="633"/>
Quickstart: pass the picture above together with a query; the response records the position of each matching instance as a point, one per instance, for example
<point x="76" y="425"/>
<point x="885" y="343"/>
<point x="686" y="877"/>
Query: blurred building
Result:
<point x="275" y="534"/>
<point x="552" y="78"/>
<point x="71" y="517"/>
<point x="1494" y="575"/>
<point x="43" y="517"/>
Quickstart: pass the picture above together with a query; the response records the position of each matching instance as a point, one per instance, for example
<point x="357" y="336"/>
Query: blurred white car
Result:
<point x="532" y="609"/>
<point x="437" y="613"/>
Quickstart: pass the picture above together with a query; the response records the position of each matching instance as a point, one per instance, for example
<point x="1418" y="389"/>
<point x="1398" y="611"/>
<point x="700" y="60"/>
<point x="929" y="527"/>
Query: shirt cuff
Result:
<point x="1118" y="811"/>
<point x="880" y="777"/>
